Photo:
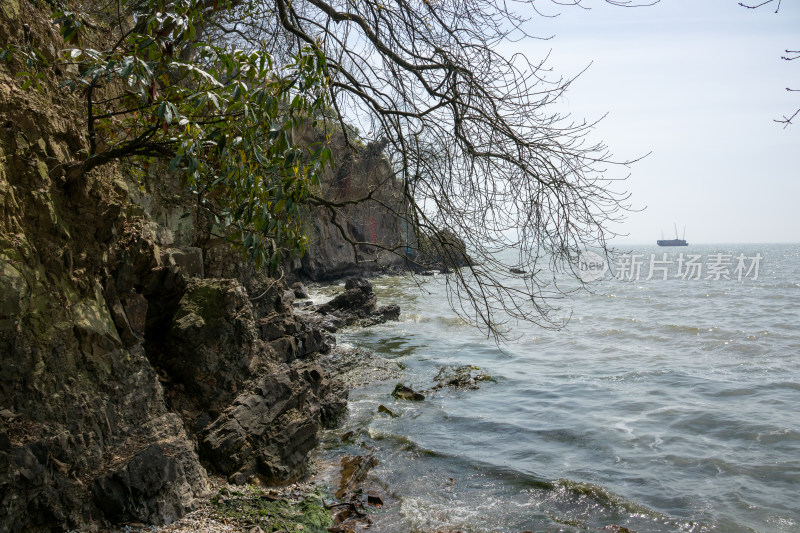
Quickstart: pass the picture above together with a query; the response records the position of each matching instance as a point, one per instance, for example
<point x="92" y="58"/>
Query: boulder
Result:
<point x="358" y="300"/>
<point x="300" y="291"/>
<point x="388" y="312"/>
<point x="358" y="283"/>
<point x="402" y="392"/>
<point x="142" y="489"/>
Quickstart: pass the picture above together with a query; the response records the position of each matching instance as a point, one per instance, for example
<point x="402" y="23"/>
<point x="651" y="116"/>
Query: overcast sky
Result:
<point x="698" y="84"/>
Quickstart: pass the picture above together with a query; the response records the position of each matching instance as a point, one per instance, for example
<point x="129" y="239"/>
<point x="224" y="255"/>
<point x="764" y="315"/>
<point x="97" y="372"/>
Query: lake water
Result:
<point x="663" y="405"/>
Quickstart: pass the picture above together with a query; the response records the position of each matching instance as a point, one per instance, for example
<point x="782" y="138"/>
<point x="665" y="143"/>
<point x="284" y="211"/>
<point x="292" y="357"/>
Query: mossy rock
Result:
<point x="401" y="392"/>
<point x="256" y="508"/>
<point x="10" y="9"/>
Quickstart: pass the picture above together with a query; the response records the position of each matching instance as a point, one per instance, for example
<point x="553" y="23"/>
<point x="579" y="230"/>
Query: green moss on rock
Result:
<point x="256" y="508"/>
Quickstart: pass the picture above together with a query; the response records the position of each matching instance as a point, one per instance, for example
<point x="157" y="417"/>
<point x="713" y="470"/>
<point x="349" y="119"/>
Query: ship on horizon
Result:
<point x="673" y="242"/>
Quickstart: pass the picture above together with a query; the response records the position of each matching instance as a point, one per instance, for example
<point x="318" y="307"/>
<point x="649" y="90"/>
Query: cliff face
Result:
<point x="135" y="353"/>
<point x="374" y="223"/>
<point x="370" y="219"/>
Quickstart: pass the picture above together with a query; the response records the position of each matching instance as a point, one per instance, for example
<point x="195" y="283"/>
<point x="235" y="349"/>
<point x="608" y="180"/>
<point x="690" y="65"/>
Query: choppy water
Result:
<point x="662" y="406"/>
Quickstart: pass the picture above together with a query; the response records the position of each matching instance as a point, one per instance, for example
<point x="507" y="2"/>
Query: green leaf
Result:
<point x="175" y="163"/>
<point x="127" y="66"/>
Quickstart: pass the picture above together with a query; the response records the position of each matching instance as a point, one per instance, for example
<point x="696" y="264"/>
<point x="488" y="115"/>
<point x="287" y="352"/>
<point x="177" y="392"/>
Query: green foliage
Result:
<point x="223" y="117"/>
<point x="33" y="64"/>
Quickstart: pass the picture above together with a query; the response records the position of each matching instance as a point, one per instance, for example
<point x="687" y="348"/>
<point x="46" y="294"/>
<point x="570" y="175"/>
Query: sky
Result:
<point x="696" y="84"/>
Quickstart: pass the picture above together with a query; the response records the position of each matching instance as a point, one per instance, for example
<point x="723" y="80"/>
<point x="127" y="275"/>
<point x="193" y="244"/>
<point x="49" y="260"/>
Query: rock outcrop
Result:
<point x="356" y="305"/>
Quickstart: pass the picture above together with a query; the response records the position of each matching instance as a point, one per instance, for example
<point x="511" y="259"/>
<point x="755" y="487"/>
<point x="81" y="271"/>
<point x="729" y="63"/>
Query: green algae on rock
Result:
<point x="253" y="507"/>
<point x="402" y="392"/>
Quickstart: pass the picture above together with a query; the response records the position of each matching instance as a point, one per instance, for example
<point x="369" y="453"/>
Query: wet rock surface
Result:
<point x="299" y="290"/>
<point x="460" y="377"/>
<point x="403" y="392"/>
<point x="358" y="366"/>
<point x="358" y="300"/>
<point x="353" y="471"/>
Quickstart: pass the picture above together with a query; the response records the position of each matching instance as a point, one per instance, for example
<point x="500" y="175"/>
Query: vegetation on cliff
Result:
<point x="107" y="289"/>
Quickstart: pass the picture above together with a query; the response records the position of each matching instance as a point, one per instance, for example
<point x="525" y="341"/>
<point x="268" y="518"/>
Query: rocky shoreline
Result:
<point x="328" y="497"/>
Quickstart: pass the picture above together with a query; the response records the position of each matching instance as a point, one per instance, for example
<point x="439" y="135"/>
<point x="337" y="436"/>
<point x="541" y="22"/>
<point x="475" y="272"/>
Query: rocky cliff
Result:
<point x="365" y="235"/>
<point x="368" y="232"/>
<point x="137" y="355"/>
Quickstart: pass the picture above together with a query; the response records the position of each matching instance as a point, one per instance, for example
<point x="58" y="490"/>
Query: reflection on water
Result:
<point x="662" y="406"/>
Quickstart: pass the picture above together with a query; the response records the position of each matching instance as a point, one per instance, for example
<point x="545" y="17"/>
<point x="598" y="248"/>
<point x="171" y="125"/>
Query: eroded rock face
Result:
<point x="269" y="430"/>
<point x="248" y="384"/>
<point x="153" y="484"/>
<point x="212" y="346"/>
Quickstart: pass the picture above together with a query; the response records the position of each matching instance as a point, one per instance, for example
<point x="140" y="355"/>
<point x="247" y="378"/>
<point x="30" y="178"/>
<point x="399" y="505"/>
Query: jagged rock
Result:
<point x="211" y="347"/>
<point x="356" y="305"/>
<point x="388" y="312"/>
<point x="288" y="297"/>
<point x="274" y="326"/>
<point x="357" y="301"/>
<point x="384" y="409"/>
<point x="332" y="323"/>
<point x="353" y="471"/>
<point x="269" y="430"/>
<point x="307" y="337"/>
<point x="358" y="283"/>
